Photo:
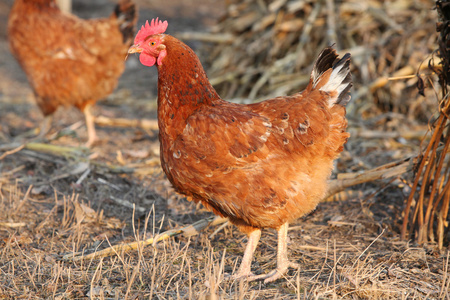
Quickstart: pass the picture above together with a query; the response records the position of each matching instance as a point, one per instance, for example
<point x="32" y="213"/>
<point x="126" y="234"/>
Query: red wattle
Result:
<point x="147" y="60"/>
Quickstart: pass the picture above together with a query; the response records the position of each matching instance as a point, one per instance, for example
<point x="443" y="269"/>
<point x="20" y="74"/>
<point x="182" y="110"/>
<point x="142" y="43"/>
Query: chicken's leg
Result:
<point x="282" y="260"/>
<point x="92" y="136"/>
<point x="245" y="268"/>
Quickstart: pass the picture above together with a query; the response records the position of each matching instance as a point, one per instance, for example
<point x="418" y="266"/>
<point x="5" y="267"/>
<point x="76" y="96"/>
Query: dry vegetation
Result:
<point x="429" y="219"/>
<point x="271" y="45"/>
<point x="59" y="202"/>
<point x="344" y="252"/>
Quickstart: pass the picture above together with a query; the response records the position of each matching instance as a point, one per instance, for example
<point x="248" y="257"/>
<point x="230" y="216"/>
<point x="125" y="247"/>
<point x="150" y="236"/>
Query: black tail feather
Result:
<point x="344" y="96"/>
<point x="340" y="79"/>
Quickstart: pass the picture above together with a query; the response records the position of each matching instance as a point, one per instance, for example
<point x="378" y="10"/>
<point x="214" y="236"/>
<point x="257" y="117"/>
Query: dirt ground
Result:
<point x="54" y="205"/>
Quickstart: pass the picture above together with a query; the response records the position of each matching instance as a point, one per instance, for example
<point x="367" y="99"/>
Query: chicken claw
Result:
<point x="283" y="264"/>
<point x="275" y="274"/>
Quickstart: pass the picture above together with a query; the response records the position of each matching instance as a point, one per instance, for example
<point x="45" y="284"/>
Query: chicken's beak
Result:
<point x="134" y="49"/>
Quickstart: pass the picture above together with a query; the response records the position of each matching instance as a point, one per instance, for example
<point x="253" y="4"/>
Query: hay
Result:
<point x="431" y="186"/>
<point x="274" y="44"/>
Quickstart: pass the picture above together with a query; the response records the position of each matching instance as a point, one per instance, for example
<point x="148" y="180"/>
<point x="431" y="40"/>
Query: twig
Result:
<point x="444" y="280"/>
<point x="112" y="168"/>
<point x="122" y="122"/>
<point x="128" y="204"/>
<point x="43" y="156"/>
<point x="188" y="230"/>
<point x="389" y="170"/>
<point x="83" y="176"/>
<point x="13" y="225"/>
<point x="331" y="24"/>
<point x="376" y="239"/>
<point x="43" y="148"/>
<point x="72" y="169"/>
<point x="57" y="150"/>
<point x="344" y="195"/>
<point x="12" y="151"/>
<point x="103" y="181"/>
<point x="385" y="171"/>
<point x="223" y="38"/>
<point x="305" y="36"/>
<point x="48" y="152"/>
<point x="24" y="200"/>
<point x="375" y="134"/>
<point x="311" y="248"/>
<point x="382" y="16"/>
<point x="218" y="229"/>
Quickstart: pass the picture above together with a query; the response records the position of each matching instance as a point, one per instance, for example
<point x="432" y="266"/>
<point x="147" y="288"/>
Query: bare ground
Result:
<point x="55" y="205"/>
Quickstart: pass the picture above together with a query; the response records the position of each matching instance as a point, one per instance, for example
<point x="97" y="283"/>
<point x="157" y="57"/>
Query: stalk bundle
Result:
<point x="431" y="187"/>
<point x="266" y="49"/>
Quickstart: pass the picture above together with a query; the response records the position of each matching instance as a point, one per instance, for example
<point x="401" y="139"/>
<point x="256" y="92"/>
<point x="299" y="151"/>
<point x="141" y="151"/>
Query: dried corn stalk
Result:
<point x="274" y="43"/>
<point x="431" y="188"/>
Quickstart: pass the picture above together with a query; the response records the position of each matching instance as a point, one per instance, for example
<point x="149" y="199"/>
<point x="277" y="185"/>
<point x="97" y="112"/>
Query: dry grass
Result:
<point x="52" y="205"/>
<point x="351" y="258"/>
<point x="268" y="48"/>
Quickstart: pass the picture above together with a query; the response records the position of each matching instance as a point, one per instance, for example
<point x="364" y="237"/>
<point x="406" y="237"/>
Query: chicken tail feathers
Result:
<point x="332" y="75"/>
<point x="126" y="14"/>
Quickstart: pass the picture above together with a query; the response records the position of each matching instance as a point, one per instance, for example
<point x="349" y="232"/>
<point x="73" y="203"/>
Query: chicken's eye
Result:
<point x="152" y="43"/>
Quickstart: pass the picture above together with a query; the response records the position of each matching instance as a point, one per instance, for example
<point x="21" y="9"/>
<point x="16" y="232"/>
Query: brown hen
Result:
<point x="262" y="165"/>
<point x="70" y="61"/>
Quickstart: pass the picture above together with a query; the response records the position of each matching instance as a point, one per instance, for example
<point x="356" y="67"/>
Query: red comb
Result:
<point x="155" y="27"/>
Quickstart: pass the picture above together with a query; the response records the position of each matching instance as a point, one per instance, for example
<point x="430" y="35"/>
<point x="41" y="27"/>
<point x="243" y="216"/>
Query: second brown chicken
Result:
<point x="68" y="60"/>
